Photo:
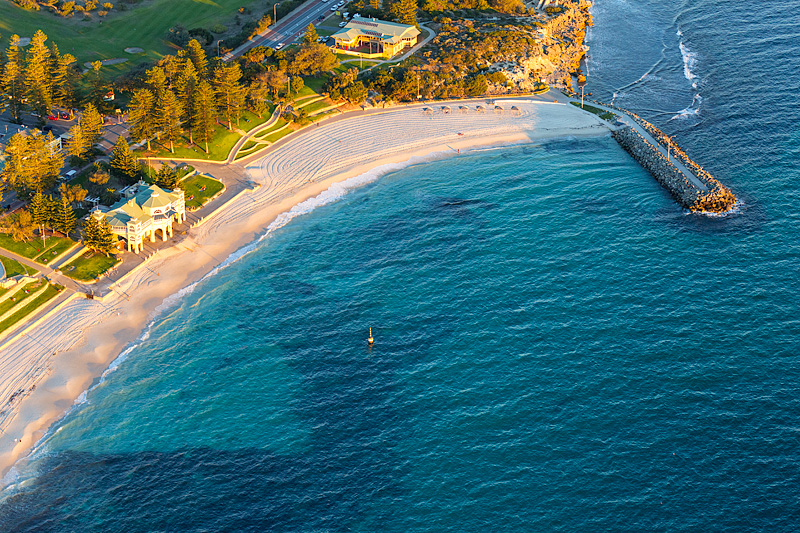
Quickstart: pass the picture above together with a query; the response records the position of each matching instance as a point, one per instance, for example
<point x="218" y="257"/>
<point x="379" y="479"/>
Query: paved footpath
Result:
<point x="628" y="121"/>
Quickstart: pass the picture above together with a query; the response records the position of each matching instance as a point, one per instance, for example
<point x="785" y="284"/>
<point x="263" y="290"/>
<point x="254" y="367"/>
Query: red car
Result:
<point x="52" y="117"/>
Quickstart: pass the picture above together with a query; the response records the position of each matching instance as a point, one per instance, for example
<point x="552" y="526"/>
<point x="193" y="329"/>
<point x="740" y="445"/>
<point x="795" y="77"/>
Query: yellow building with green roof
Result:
<point x="370" y="37"/>
<point x="146" y="210"/>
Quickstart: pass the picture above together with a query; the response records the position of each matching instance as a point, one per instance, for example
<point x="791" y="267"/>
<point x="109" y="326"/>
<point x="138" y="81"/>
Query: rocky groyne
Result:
<point x="715" y="198"/>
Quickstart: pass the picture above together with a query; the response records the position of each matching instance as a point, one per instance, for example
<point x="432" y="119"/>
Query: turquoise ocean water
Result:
<point x="559" y="347"/>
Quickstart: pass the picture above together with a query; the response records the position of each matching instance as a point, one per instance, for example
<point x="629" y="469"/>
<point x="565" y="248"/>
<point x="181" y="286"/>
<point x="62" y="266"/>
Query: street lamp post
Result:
<point x="219" y="41"/>
<point x="275" y="13"/>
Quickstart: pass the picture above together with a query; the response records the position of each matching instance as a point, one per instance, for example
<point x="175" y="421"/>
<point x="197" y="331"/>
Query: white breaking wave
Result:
<point x="689" y="62"/>
<point x="691" y="111"/>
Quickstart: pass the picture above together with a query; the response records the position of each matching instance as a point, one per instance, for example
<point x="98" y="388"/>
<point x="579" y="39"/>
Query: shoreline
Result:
<point x="89" y="335"/>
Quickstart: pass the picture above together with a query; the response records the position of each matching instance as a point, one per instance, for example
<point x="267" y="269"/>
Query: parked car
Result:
<point x="321" y="18"/>
<point x="52" y="117"/>
<point x="280" y="45"/>
<point x="342" y="24"/>
<point x="334" y="8"/>
<point x="64" y="115"/>
<point x="345" y="14"/>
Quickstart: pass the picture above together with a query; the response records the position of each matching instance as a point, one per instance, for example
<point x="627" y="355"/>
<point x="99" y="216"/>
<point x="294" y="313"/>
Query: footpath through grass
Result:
<point x="15" y="268"/>
<point x="89" y="266"/>
<point x="35" y="249"/>
<point x="41" y="298"/>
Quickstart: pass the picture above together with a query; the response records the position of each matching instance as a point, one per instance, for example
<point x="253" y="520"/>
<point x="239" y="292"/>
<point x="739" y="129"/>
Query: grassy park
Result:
<point x="200" y="189"/>
<point x="35" y="249"/>
<point x="89" y="266"/>
<point x="141" y="25"/>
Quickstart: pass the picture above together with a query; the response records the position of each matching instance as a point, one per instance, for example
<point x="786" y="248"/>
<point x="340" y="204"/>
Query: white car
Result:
<point x="280" y="45"/>
<point x="334" y="8"/>
<point x="345" y="14"/>
<point x="342" y="24"/>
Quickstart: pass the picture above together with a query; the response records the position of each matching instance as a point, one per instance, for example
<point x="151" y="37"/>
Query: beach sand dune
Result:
<point x="69" y="349"/>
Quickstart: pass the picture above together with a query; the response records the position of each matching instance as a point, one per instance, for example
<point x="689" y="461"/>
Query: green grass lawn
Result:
<point x="41" y="298"/>
<point x="53" y="252"/>
<point x="34" y="248"/>
<point x="316" y="106"/>
<point x="219" y="147"/>
<point x="250" y="120"/>
<point x="602" y="113"/>
<point x="88" y="266"/>
<point x="12" y="267"/>
<point x="142" y="25"/>
<point x="316" y="84"/>
<point x="192" y="187"/>
<point x="304" y="92"/>
<point x="275" y="137"/>
<point x="19" y="295"/>
<point x="269" y="131"/>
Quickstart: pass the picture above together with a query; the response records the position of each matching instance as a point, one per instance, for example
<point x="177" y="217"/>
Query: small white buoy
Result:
<point x="370" y="339"/>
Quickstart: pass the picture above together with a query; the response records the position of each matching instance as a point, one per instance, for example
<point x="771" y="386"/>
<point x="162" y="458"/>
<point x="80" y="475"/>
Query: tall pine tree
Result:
<point x="230" y="93"/>
<point x="170" y="111"/>
<point x="38" y="77"/>
<point x="405" y="11"/>
<point x="142" y="116"/>
<point x="123" y="162"/>
<point x="204" y="113"/>
<point x="38" y="209"/>
<point x="65" y="217"/>
<point x="12" y="81"/>
<point x="92" y="125"/>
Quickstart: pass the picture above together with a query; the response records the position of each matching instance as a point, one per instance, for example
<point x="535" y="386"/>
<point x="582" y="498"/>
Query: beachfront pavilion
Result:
<point x="146" y="210"/>
<point x="374" y="38"/>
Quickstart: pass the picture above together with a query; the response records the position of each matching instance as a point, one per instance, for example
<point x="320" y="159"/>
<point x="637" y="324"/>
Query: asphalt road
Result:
<point x="289" y="28"/>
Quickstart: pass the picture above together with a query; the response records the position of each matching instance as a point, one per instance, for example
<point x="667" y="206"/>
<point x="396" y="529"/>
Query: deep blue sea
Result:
<point x="559" y="346"/>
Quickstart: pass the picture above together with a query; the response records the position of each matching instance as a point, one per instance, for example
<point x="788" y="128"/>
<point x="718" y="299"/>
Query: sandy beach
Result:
<point x="71" y="348"/>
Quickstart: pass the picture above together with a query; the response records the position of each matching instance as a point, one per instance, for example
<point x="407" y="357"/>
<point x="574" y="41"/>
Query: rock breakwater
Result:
<point x="715" y="199"/>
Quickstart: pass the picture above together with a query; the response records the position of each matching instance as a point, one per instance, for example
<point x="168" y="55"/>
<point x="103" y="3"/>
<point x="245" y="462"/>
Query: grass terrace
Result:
<point x="89" y="266"/>
<point x="199" y="190"/>
<point x="41" y="298"/>
<point x="24" y="292"/>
